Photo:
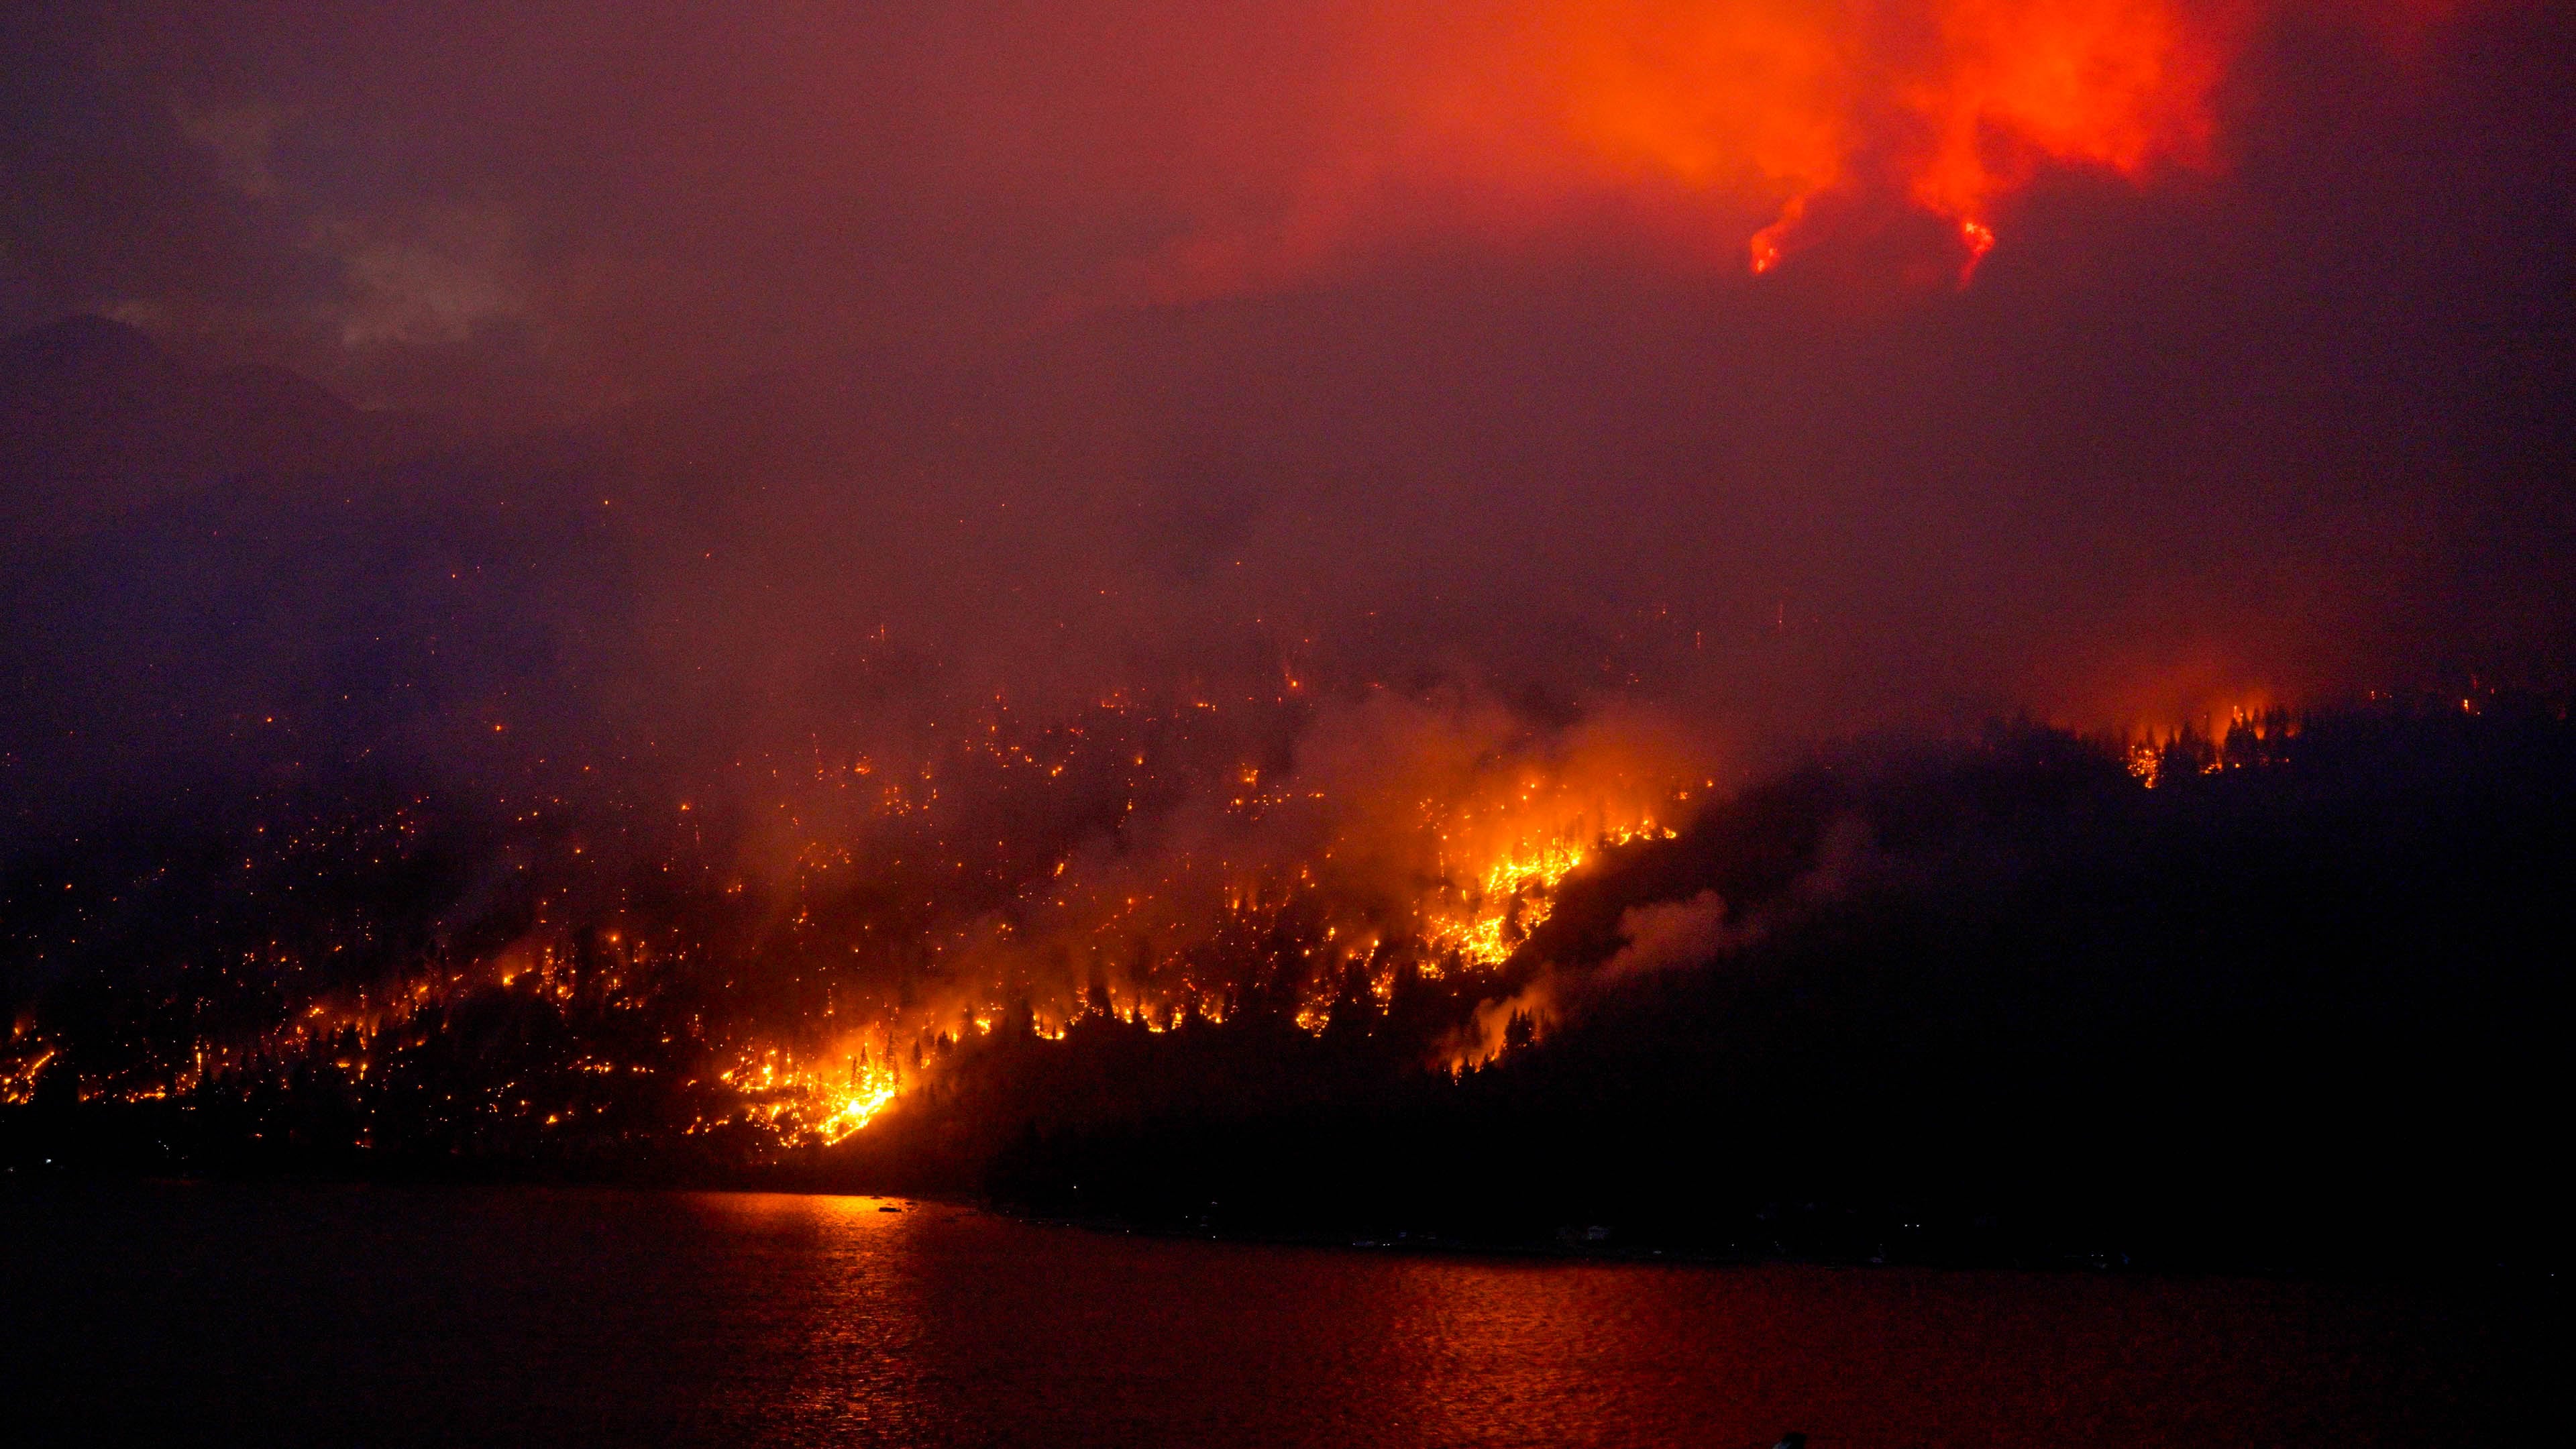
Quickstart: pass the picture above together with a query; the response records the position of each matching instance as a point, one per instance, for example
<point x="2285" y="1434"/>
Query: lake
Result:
<point x="384" y="1315"/>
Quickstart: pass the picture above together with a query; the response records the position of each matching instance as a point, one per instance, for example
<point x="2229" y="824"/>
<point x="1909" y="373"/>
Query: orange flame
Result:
<point x="1726" y="128"/>
<point x="1731" y="122"/>
<point x="1951" y="107"/>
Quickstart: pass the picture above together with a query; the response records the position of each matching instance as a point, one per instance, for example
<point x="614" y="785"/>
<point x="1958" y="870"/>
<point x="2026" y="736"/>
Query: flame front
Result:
<point x="793" y="1004"/>
<point x="1513" y="893"/>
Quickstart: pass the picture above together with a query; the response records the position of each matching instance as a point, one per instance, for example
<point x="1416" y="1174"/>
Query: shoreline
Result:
<point x="1407" y="1242"/>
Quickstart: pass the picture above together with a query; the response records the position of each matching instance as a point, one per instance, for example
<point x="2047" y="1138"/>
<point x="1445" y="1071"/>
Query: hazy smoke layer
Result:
<point x="792" y="382"/>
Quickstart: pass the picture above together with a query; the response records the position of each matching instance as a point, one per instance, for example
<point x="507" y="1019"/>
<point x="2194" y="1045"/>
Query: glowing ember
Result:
<point x="802" y="1001"/>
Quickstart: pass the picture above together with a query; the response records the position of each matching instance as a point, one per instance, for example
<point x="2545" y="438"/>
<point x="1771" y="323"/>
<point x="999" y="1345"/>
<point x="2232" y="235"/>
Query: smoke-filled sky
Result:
<point x="1799" y="366"/>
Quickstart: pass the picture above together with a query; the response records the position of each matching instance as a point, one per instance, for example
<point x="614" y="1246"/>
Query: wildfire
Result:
<point x="797" y="1003"/>
<point x="2240" y="736"/>
<point x="857" y="1110"/>
<point x="2145" y="760"/>
<point x="1514" y="894"/>
<point x="19" y="1071"/>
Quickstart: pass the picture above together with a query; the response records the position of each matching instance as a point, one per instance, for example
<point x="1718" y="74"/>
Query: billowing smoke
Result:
<point x="1051" y="354"/>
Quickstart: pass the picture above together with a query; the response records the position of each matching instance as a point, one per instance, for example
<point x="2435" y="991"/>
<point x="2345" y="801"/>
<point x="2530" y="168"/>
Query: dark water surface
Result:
<point x="357" y="1315"/>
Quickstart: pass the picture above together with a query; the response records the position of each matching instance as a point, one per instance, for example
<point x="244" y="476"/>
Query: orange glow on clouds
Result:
<point x="1735" y="118"/>
<point x="1950" y="106"/>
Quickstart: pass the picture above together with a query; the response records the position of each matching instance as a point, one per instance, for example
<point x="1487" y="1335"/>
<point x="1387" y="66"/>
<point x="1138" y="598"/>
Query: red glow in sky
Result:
<point x="1744" y="113"/>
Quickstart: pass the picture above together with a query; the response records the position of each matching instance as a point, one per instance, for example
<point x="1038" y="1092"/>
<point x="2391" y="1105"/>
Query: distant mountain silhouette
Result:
<point x="229" y="574"/>
<point x="96" y="419"/>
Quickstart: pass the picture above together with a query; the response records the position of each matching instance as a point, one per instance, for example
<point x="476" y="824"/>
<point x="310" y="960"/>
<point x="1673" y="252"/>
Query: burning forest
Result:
<point x="993" y="603"/>
<point x="574" y="982"/>
<point x="1385" y="921"/>
<point x="825" y="723"/>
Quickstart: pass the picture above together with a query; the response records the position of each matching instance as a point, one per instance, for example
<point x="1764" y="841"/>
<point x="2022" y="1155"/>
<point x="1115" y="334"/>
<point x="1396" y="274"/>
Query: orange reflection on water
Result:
<point x="942" y="1325"/>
